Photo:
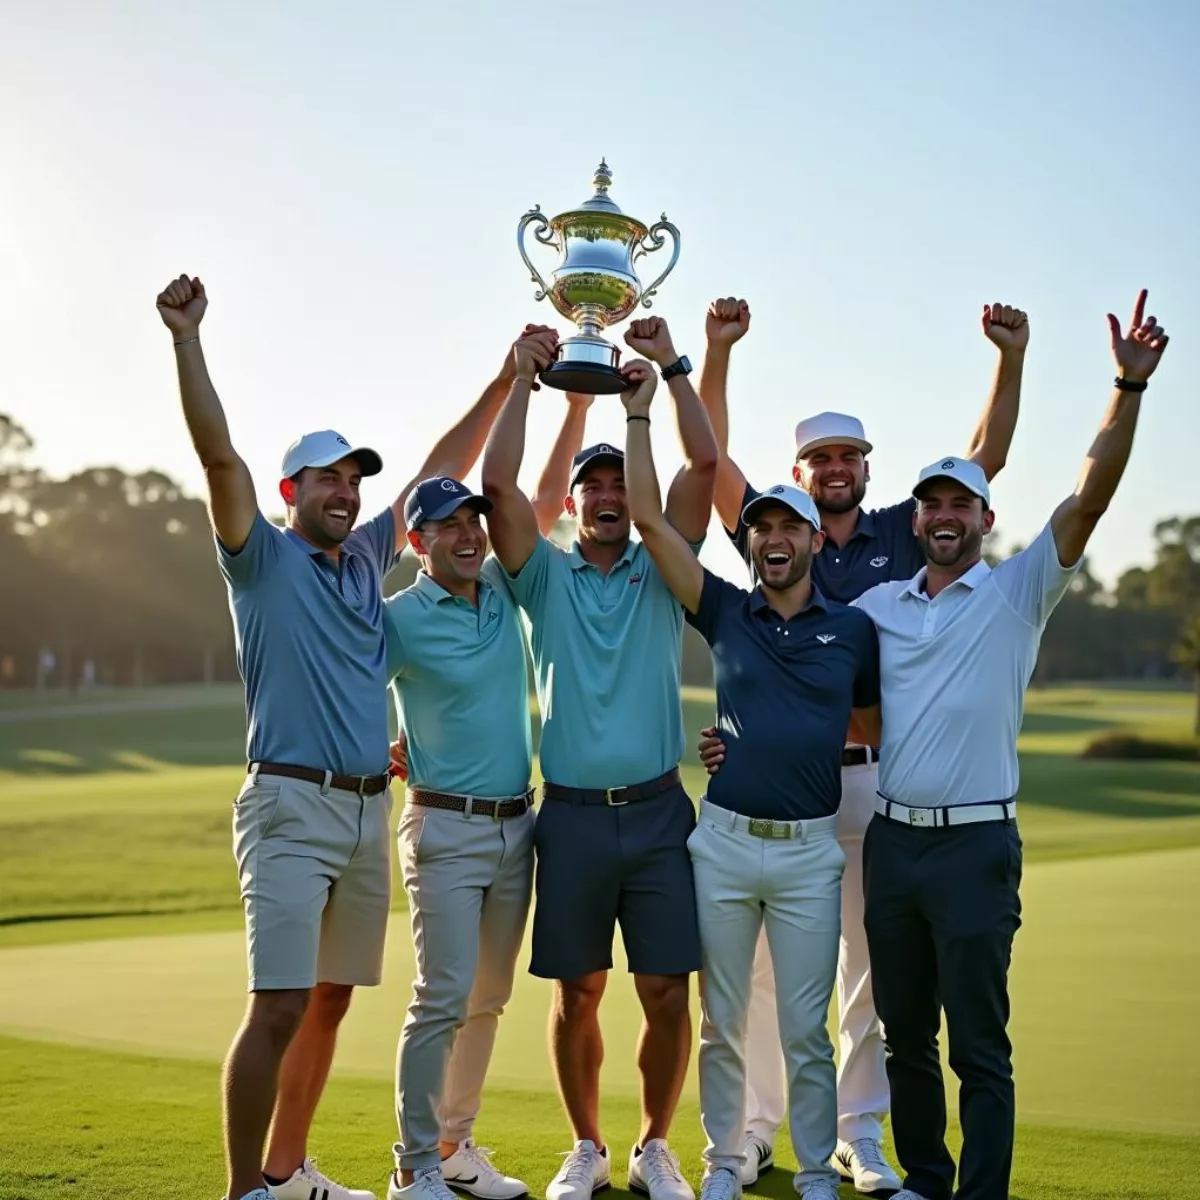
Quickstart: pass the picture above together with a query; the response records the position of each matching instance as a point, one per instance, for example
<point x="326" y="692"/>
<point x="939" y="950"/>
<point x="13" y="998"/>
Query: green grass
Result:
<point x="122" y="966"/>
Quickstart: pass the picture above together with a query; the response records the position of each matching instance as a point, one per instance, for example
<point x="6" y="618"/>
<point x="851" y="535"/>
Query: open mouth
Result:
<point x="945" y="536"/>
<point x="837" y="485"/>
<point x="467" y="554"/>
<point x="777" y="558"/>
<point x="339" y="515"/>
<point x="608" y="516"/>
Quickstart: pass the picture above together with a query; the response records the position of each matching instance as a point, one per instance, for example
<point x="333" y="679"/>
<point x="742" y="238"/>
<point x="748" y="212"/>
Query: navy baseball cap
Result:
<point x="603" y="454"/>
<point x="435" y="499"/>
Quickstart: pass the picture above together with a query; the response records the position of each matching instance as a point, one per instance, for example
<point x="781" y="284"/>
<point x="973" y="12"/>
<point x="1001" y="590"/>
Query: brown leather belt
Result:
<point x="498" y="810"/>
<point x="364" y="785"/>
<point x="614" y="797"/>
<point x="859" y="756"/>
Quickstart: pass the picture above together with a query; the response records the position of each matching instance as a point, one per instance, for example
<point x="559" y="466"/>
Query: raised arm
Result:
<point x="232" y="505"/>
<point x="1137" y="356"/>
<point x="690" y="499"/>
<point x="512" y="523"/>
<point x="556" y="475"/>
<point x="457" y="450"/>
<point x="727" y="322"/>
<point x="1007" y="328"/>
<point x="678" y="565"/>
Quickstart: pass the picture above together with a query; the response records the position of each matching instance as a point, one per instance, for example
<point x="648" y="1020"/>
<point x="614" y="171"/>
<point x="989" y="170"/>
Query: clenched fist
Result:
<point x="181" y="305"/>
<point x="534" y="352"/>
<point x="727" y="321"/>
<point x="651" y="337"/>
<point x="642" y="381"/>
<point x="1005" y="326"/>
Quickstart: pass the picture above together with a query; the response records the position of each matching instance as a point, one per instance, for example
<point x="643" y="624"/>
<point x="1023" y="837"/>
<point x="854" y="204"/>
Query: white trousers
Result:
<point x="863" y="1098"/>
<point x="790" y="889"/>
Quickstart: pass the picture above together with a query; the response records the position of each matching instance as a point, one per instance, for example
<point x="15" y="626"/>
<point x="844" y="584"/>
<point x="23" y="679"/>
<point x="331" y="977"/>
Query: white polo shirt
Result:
<point x="953" y="672"/>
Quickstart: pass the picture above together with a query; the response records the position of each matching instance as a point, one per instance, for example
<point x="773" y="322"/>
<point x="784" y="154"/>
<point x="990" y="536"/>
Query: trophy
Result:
<point x="594" y="284"/>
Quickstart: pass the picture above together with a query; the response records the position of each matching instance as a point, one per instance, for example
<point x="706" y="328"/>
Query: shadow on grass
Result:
<point x="1112" y="789"/>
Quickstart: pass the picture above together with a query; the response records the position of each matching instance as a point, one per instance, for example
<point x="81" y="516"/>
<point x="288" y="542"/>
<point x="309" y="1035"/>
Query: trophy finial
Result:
<point x="602" y="178"/>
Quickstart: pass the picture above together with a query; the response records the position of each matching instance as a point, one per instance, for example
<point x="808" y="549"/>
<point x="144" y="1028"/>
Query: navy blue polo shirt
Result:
<point x="310" y="645"/>
<point x="881" y="549"/>
<point x="784" y="694"/>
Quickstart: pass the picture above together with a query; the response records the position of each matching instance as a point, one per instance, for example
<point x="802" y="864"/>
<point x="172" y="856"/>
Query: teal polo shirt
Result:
<point x="458" y="674"/>
<point x="607" y="651"/>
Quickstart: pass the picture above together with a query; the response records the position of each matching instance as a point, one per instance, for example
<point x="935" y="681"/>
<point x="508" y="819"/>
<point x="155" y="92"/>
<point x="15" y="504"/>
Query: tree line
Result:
<point x="110" y="579"/>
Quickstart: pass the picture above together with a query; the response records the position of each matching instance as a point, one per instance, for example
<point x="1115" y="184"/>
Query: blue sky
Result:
<point x="347" y="180"/>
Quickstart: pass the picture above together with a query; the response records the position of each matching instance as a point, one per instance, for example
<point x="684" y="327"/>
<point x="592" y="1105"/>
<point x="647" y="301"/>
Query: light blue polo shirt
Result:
<point x="607" y="651"/>
<point x="460" y="680"/>
<point x="309" y="637"/>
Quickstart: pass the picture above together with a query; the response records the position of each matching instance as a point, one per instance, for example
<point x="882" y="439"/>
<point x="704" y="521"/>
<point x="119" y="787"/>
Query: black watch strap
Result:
<point x="680" y="366"/>
<point x="1122" y="385"/>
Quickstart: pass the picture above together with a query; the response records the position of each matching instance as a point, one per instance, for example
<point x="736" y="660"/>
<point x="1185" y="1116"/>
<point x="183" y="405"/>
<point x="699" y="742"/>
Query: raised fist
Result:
<point x="651" y="337"/>
<point x="1005" y="326"/>
<point x="642" y="380"/>
<point x="1140" y="351"/>
<point x="181" y="305"/>
<point x="727" y="321"/>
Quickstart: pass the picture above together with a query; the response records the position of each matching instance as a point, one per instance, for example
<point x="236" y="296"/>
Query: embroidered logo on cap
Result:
<point x="448" y="485"/>
<point x="948" y="464"/>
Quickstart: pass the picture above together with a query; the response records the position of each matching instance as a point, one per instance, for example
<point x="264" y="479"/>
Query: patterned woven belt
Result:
<point x="513" y="806"/>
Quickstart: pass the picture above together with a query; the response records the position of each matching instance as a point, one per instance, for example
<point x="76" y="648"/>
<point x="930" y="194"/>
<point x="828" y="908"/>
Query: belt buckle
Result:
<point x="608" y="798"/>
<point x="764" y="828"/>
<point x="921" y="816"/>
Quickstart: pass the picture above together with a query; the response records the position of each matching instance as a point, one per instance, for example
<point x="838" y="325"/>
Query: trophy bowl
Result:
<point x="595" y="284"/>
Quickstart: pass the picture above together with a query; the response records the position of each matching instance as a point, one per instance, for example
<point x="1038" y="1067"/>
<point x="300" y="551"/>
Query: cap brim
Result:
<point x="751" y="511"/>
<point x="597" y="460"/>
<point x="369" y="462"/>
<point x="834" y="440"/>
<point x="481" y="504"/>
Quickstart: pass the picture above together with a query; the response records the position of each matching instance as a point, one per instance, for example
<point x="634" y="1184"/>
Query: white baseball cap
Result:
<point x="798" y="500"/>
<point x="326" y="446"/>
<point x="961" y="470"/>
<point x="830" y="429"/>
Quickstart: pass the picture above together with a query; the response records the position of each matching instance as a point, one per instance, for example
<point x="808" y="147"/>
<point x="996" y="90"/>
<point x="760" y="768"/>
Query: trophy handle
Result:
<point x="654" y="241"/>
<point x="545" y="235"/>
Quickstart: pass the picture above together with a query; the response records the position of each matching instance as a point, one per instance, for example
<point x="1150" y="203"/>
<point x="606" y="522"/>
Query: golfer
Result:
<point x="310" y="821"/>
<point x="859" y="549"/>
<point x="611" y="834"/>
<point x="942" y="859"/>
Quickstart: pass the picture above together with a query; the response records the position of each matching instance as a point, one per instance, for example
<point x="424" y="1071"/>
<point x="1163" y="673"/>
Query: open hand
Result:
<point x="650" y="337"/>
<point x="1140" y="351"/>
<point x="642" y="380"/>
<point x="181" y="305"/>
<point x="727" y="322"/>
<point x="1005" y="327"/>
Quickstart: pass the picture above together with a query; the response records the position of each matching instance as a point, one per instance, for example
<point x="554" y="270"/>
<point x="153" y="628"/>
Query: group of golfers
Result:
<point x="858" y="828"/>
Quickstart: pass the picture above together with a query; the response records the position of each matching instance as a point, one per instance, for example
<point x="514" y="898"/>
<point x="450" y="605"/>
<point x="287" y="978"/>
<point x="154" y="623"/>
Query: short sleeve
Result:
<point x="866" y="679"/>
<point x="393" y="636"/>
<point x="529" y="586"/>
<point x="259" y="553"/>
<point x="1034" y="581"/>
<point x="716" y="596"/>
<point x="740" y="535"/>
<point x="376" y="539"/>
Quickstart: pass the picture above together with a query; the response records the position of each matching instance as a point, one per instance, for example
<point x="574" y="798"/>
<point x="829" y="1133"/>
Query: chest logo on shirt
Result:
<point x="635" y="579"/>
<point x="826" y="638"/>
<point x="881" y="561"/>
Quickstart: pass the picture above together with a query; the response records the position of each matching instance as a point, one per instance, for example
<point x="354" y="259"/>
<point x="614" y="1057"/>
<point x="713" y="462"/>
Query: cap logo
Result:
<point x="948" y="464"/>
<point x="777" y="490"/>
<point x="448" y="485"/>
<point x="605" y="450"/>
<point x="341" y="441"/>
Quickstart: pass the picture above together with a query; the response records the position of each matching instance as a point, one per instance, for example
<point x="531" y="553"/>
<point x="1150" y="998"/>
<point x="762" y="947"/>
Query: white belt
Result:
<point x="946" y="814"/>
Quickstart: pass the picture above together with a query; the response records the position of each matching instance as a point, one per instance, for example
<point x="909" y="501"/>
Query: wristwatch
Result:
<point x="680" y="366"/>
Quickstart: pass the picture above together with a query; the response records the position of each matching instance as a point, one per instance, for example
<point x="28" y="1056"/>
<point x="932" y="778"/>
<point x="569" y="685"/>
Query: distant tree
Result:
<point x="1186" y="653"/>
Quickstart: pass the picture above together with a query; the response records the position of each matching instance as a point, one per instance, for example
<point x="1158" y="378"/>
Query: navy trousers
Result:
<point x="942" y="908"/>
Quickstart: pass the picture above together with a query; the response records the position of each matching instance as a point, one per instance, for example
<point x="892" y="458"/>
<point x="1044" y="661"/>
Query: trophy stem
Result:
<point x="590" y="320"/>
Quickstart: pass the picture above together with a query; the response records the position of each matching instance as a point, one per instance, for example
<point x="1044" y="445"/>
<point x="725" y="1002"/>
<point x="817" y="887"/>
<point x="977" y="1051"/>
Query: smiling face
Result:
<point x="950" y="524"/>
<point x="452" y="550"/>
<point x="598" y="504"/>
<point x="782" y="545"/>
<point x="324" y="502"/>
<point x="834" y="476"/>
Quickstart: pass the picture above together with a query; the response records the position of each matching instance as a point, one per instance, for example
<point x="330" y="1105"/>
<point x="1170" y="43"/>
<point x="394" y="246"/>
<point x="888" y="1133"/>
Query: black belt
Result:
<point x="513" y="806"/>
<point x="614" y="797"/>
<point x="364" y="785"/>
<point x="859" y="756"/>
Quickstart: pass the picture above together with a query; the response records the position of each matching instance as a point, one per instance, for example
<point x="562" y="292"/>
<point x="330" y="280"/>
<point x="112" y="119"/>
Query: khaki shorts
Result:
<point x="315" y="874"/>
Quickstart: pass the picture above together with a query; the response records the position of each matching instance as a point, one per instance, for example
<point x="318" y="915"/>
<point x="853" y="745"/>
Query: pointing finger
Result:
<point x="1139" y="308"/>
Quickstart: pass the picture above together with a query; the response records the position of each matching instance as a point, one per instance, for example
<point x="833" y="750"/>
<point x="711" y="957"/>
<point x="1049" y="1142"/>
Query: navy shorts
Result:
<point x="598" y="866"/>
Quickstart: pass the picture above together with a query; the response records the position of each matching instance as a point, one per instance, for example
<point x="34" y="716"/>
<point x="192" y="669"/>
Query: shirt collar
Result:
<point x="579" y="563"/>
<point x="428" y="586"/>
<point x="972" y="579"/>
<point x="759" y="602"/>
<point x="865" y="524"/>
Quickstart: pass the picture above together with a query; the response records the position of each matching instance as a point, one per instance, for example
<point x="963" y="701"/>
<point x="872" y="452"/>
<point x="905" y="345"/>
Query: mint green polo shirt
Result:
<point x="458" y="674"/>
<point x="607" y="651"/>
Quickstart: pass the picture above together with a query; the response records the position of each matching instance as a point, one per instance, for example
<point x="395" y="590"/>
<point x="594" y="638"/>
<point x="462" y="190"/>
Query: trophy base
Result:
<point x="590" y="379"/>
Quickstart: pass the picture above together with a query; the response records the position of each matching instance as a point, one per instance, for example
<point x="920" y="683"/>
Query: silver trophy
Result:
<point x="594" y="284"/>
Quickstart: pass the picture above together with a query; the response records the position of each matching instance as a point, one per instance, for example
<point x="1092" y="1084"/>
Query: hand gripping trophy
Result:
<point x="594" y="284"/>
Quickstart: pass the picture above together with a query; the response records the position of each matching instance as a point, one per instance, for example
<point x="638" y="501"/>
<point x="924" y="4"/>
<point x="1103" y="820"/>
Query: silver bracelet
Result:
<point x="184" y="341"/>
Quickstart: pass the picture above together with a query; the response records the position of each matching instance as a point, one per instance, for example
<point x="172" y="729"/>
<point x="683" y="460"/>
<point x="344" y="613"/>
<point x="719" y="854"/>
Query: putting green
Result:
<point x="1105" y="984"/>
